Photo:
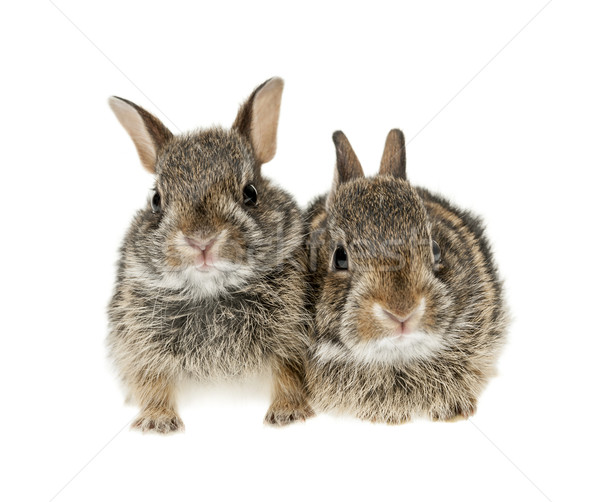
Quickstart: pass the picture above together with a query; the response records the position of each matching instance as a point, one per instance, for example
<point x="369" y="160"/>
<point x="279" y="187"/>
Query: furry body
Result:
<point x="210" y="282"/>
<point x="441" y="368"/>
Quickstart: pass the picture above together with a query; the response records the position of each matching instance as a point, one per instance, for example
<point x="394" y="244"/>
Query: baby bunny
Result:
<point x="409" y="311"/>
<point x="209" y="282"/>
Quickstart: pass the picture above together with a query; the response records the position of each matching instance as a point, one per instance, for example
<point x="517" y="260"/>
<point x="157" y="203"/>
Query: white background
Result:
<point x="510" y="131"/>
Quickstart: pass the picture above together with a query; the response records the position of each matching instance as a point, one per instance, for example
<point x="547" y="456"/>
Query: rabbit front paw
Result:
<point x="159" y="420"/>
<point x="389" y="419"/>
<point x="454" y="413"/>
<point x="281" y="413"/>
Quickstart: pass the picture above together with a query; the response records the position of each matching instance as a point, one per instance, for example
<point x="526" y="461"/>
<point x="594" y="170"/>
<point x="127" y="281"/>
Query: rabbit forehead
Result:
<point x="205" y="157"/>
<point x="378" y="209"/>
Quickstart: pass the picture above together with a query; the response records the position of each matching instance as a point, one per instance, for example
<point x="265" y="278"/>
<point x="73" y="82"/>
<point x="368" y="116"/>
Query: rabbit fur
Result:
<point x="401" y="332"/>
<point x="210" y="282"/>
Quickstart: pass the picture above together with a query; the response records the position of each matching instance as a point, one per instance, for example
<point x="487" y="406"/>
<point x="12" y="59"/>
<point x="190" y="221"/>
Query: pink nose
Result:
<point x="396" y="318"/>
<point x="204" y="247"/>
<point x="403" y="321"/>
<point x="201" y="244"/>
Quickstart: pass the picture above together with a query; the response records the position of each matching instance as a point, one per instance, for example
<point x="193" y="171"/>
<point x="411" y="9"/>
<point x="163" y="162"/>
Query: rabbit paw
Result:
<point x="384" y="418"/>
<point x="159" y="420"/>
<point x="285" y="413"/>
<point x="390" y="420"/>
<point x="460" y="411"/>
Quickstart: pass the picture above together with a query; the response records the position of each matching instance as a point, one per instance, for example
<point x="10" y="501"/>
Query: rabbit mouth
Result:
<point x="206" y="263"/>
<point x="205" y="268"/>
<point x="400" y="335"/>
<point x="215" y="268"/>
<point x="403" y="348"/>
<point x="207" y="253"/>
<point x="369" y="335"/>
<point x="203" y="281"/>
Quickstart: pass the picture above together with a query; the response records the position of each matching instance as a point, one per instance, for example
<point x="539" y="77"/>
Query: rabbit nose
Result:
<point x="403" y="322"/>
<point x="206" y="251"/>
<point x="201" y="244"/>
<point x="397" y="318"/>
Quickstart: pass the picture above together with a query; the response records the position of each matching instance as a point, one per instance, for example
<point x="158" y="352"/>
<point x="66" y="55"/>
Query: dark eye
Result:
<point x="437" y="252"/>
<point x="340" y="258"/>
<point x="155" y="202"/>
<point x="250" y="195"/>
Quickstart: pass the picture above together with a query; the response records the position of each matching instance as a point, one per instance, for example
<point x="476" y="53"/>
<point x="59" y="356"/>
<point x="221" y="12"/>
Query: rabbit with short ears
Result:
<point x="409" y="312"/>
<point x="210" y="281"/>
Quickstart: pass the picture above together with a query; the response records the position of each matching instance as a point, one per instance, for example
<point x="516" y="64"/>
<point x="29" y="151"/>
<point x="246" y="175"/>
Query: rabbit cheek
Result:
<point x="437" y="318"/>
<point x="366" y="328"/>
<point x="173" y="257"/>
<point x="234" y="250"/>
<point x="173" y="261"/>
<point x="177" y="256"/>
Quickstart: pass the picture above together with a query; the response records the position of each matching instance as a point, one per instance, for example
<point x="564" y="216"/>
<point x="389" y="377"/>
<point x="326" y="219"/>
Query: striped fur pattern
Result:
<point x="209" y="286"/>
<point x="399" y="334"/>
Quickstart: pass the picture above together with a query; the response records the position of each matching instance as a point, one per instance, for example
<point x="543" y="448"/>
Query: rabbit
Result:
<point x="210" y="281"/>
<point x="409" y="310"/>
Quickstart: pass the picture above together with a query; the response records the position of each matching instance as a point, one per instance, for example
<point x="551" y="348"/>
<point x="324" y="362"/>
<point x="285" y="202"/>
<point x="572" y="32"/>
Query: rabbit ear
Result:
<point x="147" y="132"/>
<point x="347" y="165"/>
<point x="258" y="117"/>
<point x="393" y="162"/>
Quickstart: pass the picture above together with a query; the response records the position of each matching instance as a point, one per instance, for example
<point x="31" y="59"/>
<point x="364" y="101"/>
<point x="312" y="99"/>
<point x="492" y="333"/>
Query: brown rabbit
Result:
<point x="409" y="311"/>
<point x="210" y="282"/>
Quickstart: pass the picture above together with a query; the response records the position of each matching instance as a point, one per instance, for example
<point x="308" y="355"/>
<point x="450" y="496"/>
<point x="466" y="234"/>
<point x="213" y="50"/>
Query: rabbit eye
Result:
<point x="340" y="258"/>
<point x="437" y="252"/>
<point x="250" y="195"/>
<point x="155" y="202"/>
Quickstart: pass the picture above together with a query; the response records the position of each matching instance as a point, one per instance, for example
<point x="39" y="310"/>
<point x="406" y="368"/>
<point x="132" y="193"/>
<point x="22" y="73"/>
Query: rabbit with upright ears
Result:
<point x="210" y="281"/>
<point x="409" y="309"/>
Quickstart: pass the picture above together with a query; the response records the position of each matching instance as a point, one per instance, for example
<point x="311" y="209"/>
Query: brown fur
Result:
<point x="393" y="162"/>
<point x="157" y="397"/>
<point x="169" y="321"/>
<point x="347" y="164"/>
<point x="456" y="306"/>
<point x="288" y="404"/>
